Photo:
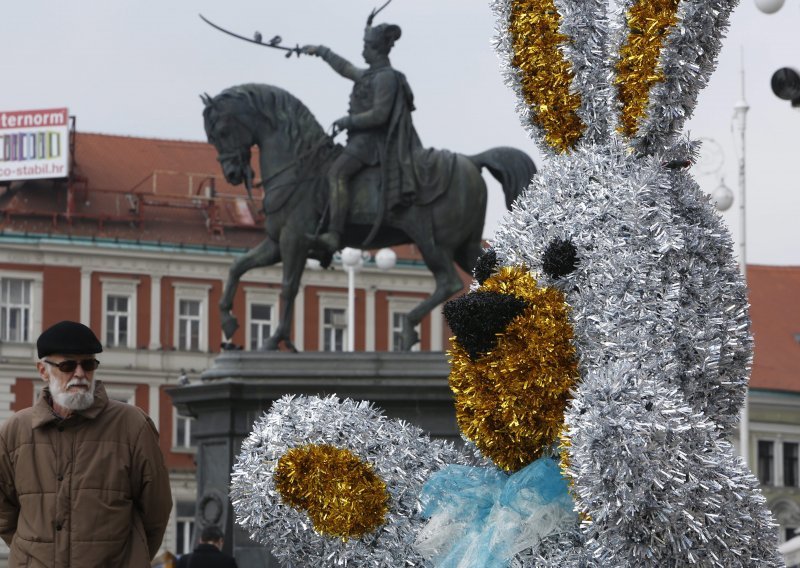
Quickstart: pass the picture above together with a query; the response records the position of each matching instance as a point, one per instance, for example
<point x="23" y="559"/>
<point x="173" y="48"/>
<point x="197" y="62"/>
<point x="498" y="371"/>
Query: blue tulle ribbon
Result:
<point x="487" y="513"/>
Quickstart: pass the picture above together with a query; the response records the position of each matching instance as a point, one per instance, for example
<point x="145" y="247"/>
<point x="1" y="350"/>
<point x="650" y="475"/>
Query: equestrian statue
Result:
<point x="381" y="189"/>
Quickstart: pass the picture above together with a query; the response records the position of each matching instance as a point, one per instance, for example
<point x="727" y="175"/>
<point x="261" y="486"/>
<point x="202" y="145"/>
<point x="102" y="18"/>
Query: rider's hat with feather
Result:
<point x="600" y="359"/>
<point x="382" y="36"/>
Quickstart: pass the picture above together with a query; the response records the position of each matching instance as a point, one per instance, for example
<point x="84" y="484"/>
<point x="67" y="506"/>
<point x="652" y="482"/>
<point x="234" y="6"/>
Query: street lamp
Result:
<point x="739" y="125"/>
<point x="769" y="6"/>
<point x="785" y="85"/>
<point x="785" y="81"/>
<point x="386" y="258"/>
<point x="722" y="196"/>
<point x="353" y="261"/>
<point x="710" y="162"/>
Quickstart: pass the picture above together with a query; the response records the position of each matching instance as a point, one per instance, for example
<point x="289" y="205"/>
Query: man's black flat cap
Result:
<point x="68" y="338"/>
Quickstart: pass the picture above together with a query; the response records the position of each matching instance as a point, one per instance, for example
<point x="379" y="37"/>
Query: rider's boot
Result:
<point x="331" y="241"/>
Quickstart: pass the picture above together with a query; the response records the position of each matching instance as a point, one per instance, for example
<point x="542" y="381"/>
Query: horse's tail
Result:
<point x="513" y="168"/>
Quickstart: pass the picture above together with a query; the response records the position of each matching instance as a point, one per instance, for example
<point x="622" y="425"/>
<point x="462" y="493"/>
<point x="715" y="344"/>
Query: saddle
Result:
<point x="432" y="175"/>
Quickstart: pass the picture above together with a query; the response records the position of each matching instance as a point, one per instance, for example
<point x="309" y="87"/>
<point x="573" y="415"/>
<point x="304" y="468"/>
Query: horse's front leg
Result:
<point x="294" y="251"/>
<point x="440" y="262"/>
<point x="265" y="254"/>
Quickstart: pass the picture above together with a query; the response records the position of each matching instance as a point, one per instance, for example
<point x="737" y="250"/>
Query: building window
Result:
<point x="400" y="306"/>
<point x="790" y="463"/>
<point x="117" y="320"/>
<point x="183" y="433"/>
<point x="121" y="393"/>
<point x="262" y="312"/>
<point x="184" y="527"/>
<point x="260" y="325"/>
<point x="334" y="329"/>
<point x="397" y="332"/>
<point x="119" y="312"/>
<point x="766" y="462"/>
<point x="189" y="321"/>
<point x="15" y="310"/>
<point x="789" y="533"/>
<point x="191" y="316"/>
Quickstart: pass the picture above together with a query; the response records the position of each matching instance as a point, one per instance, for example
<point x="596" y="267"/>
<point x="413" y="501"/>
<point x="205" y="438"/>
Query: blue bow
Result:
<point x="483" y="517"/>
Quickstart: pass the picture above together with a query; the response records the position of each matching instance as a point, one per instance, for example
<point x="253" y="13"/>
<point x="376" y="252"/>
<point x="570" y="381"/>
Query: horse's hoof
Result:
<point x="409" y="336"/>
<point x="272" y="344"/>
<point x="326" y="260"/>
<point x="229" y="325"/>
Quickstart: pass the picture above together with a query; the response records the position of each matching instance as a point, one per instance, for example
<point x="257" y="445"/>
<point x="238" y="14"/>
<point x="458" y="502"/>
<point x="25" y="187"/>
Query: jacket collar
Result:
<point x="43" y="409"/>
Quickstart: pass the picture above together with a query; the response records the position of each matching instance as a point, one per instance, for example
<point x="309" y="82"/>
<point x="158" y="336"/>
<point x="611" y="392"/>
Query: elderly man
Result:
<point x="82" y="478"/>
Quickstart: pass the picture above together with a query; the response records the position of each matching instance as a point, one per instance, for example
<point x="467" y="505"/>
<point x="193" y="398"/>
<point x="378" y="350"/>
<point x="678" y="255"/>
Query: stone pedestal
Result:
<point x="241" y="385"/>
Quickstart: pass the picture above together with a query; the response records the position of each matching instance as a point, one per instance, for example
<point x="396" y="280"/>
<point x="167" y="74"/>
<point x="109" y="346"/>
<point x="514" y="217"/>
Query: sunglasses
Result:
<point x="70" y="365"/>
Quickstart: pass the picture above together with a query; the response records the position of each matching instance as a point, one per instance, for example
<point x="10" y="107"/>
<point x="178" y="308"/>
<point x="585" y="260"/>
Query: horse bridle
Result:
<point x="244" y="155"/>
<point x="324" y="138"/>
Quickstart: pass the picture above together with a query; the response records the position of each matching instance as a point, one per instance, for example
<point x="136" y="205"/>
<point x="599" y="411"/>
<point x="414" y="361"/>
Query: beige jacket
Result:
<point x="89" y="491"/>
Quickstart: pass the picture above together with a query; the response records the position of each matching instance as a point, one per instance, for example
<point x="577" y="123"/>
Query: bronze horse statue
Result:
<point x="295" y="153"/>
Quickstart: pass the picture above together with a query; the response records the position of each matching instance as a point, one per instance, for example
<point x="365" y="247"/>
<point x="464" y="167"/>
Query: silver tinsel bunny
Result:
<point x="656" y="319"/>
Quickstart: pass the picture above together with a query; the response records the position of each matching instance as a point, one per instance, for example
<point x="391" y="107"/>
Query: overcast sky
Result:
<point x="137" y="68"/>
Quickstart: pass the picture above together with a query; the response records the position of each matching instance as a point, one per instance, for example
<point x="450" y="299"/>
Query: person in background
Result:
<point x="208" y="554"/>
<point x="82" y="477"/>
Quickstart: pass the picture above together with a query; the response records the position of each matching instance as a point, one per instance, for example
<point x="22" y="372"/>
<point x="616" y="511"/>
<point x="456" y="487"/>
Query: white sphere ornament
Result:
<point x="386" y="259"/>
<point x="351" y="257"/>
<point x="722" y="196"/>
<point x="769" y="6"/>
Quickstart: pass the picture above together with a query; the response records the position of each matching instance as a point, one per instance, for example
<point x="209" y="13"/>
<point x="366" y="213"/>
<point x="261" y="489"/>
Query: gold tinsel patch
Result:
<point x="637" y="71"/>
<point x="546" y="74"/>
<point x="341" y="494"/>
<point x="511" y="400"/>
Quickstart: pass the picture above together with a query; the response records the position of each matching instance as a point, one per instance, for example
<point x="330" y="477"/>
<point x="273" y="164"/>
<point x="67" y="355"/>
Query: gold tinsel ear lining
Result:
<point x="341" y="494"/>
<point x="546" y="74"/>
<point x="511" y="400"/>
<point x="637" y="71"/>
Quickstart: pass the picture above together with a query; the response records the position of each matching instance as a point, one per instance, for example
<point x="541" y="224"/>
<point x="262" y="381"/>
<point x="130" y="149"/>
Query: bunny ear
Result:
<point x="558" y="67"/>
<point x="668" y="55"/>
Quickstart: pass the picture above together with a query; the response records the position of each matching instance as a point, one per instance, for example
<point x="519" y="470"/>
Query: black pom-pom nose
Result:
<point x="485" y="266"/>
<point x="560" y="258"/>
<point x="478" y="317"/>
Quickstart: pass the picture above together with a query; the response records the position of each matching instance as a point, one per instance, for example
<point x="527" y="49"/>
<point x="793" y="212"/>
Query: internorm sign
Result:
<point x="34" y="144"/>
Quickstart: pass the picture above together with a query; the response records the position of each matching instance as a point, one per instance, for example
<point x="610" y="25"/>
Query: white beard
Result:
<point x="72" y="401"/>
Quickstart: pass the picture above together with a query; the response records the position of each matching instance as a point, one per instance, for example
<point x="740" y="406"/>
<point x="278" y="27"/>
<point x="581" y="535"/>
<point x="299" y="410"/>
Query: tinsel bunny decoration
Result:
<point x="600" y="360"/>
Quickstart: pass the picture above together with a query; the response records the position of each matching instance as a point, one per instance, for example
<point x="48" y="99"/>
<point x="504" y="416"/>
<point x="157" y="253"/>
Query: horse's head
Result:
<point x="228" y="130"/>
<point x="264" y="115"/>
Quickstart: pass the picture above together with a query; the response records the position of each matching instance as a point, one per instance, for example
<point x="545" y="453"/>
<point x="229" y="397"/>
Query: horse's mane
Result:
<point x="281" y="109"/>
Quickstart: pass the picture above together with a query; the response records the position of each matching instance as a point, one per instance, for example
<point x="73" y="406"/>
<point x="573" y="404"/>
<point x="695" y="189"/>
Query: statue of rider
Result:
<point x="379" y="128"/>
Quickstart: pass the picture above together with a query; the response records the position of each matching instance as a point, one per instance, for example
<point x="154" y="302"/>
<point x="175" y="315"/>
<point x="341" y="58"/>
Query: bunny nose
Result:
<point x="513" y="365"/>
<point x="479" y="318"/>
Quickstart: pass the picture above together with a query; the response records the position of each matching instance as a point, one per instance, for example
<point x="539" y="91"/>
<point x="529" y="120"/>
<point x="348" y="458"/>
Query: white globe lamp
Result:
<point x="386" y="259"/>
<point x="769" y="6"/>
<point x="351" y="257"/>
<point x="722" y="196"/>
